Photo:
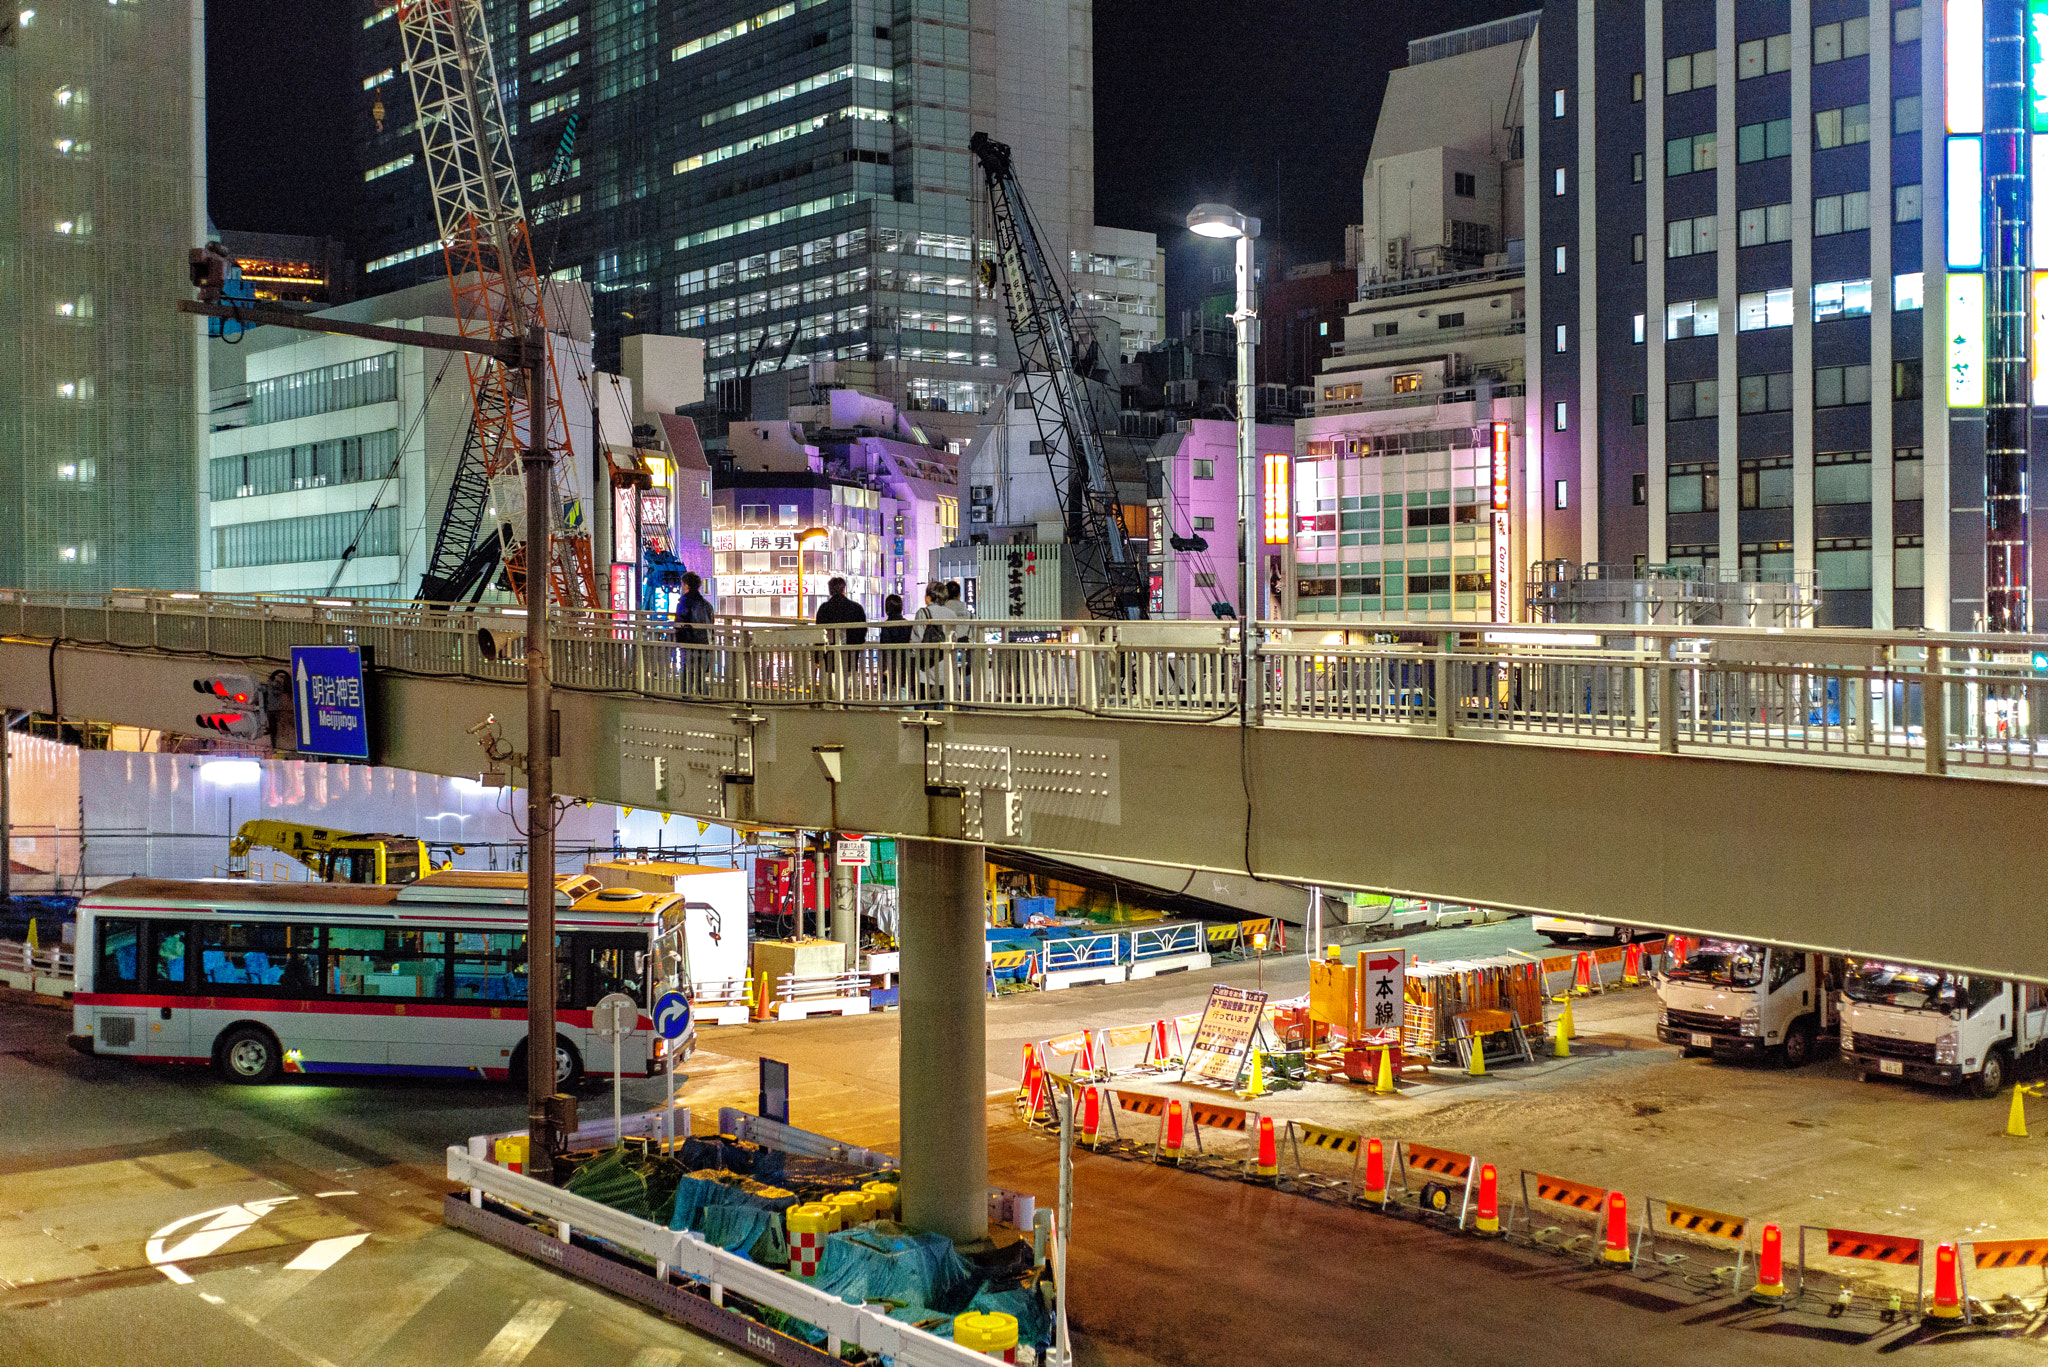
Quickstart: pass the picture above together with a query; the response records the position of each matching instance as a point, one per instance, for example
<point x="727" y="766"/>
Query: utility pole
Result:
<point x="537" y="466"/>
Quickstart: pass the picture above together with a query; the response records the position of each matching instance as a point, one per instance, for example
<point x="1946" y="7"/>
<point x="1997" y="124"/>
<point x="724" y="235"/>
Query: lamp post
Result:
<point x="806" y="534"/>
<point x="1222" y="221"/>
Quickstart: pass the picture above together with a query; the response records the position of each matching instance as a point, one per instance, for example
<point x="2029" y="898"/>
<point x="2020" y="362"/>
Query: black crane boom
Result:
<point x="1054" y="362"/>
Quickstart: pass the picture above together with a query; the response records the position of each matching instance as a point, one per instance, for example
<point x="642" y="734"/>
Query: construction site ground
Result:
<point x="1812" y="1146"/>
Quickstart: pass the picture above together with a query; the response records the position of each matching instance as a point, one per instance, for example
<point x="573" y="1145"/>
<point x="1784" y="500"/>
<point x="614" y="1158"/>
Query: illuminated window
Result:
<point x="1409" y="383"/>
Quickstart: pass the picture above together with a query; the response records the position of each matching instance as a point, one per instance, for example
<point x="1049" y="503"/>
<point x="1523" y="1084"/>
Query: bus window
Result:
<point x="490" y="966"/>
<point x="119" y="965"/>
<point x="614" y="964"/>
<point x="260" y="955"/>
<point x="167" y="959"/>
<point x="364" y="962"/>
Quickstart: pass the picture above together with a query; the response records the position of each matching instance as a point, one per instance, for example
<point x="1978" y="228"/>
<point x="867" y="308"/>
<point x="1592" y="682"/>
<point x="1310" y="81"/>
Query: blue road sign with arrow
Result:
<point x="329" y="703"/>
<point x="671" y="1015"/>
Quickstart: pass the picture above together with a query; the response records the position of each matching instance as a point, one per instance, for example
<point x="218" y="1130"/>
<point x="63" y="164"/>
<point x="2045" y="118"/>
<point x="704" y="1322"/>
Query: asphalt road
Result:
<point x="1169" y="1267"/>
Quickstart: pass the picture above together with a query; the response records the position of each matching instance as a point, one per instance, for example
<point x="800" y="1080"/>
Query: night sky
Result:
<point x="1265" y="104"/>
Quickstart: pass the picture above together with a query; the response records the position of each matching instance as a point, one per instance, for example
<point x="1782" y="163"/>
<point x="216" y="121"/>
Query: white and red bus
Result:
<point x="259" y="979"/>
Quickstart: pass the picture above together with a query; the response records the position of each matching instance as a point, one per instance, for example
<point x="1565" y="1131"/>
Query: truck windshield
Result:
<point x="1723" y="963"/>
<point x="1916" y="989"/>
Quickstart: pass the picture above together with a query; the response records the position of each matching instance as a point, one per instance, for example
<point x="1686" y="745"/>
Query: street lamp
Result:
<point x="1222" y="221"/>
<point x="806" y="534"/>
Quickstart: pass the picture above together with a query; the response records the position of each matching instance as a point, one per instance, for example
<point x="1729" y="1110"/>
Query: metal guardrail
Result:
<point x="50" y="969"/>
<point x="1159" y="942"/>
<point x="1862" y="698"/>
<point x="1084" y="951"/>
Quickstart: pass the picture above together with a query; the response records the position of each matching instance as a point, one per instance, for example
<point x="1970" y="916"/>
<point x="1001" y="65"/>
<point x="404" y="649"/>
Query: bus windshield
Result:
<point x="1916" y="989"/>
<point x="1724" y="963"/>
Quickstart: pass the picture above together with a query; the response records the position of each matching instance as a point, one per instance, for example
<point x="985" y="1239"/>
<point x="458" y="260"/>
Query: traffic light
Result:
<point x="240" y="706"/>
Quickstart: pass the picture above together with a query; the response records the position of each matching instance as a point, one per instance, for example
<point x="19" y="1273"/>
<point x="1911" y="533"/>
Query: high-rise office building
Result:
<point x="787" y="179"/>
<point x="1781" y="290"/>
<point x="102" y="381"/>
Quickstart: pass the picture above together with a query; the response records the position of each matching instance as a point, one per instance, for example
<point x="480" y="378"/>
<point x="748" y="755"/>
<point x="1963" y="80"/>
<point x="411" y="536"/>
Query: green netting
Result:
<point x="610" y="1180"/>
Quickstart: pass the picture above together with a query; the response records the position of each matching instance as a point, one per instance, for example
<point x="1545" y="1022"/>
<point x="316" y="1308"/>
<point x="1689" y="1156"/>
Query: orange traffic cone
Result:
<point x="1488" y="1220"/>
<point x="1033" y="1083"/>
<point x="1169" y="1149"/>
<point x="1269" y="1155"/>
<point x="1770" y="1266"/>
<point x="1616" y="1246"/>
<point x="1583" y="983"/>
<point x="1091" y="1116"/>
<point x="1632" y="964"/>
<point x="1948" y="1300"/>
<point x="1375" y="1171"/>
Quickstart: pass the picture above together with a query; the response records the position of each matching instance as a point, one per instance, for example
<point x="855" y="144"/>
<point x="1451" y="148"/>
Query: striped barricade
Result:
<point x="1207" y="1115"/>
<point x="1144" y="1103"/>
<point x="1342" y="1143"/>
<point x="1555" y="1194"/>
<point x="1445" y="1170"/>
<point x="1013" y="966"/>
<point x="1694" y="1225"/>
<point x="2001" y="1255"/>
<point x="1226" y="941"/>
<point x="1896" y="1250"/>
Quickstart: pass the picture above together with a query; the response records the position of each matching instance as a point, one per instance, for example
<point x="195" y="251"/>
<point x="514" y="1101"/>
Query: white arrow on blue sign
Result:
<point x="672" y="1015"/>
<point x="329" y="703"/>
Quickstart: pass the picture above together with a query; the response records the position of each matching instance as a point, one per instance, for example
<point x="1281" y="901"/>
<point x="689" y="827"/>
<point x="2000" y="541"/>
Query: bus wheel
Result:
<point x="568" y="1066"/>
<point x="249" y="1055"/>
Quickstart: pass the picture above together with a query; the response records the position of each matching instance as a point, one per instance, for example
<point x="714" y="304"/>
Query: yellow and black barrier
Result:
<point x="1696" y="1225"/>
<point x="1448" y="1171"/>
<point x="1896" y="1250"/>
<point x="1555" y="1194"/>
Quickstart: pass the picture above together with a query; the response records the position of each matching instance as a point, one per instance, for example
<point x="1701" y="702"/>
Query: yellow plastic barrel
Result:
<point x="885" y="1197"/>
<point x="994" y="1334"/>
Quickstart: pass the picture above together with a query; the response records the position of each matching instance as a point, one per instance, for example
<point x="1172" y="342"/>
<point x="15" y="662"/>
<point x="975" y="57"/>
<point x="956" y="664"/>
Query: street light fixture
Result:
<point x="806" y="534"/>
<point x="1222" y="221"/>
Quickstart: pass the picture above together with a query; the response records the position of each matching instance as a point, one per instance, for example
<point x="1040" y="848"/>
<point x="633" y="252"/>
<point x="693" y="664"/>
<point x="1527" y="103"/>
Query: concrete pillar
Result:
<point x="846" y="910"/>
<point x="943" y="1063"/>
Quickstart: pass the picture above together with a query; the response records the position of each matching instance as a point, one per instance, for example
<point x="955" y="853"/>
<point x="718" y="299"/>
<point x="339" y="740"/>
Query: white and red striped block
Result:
<point x="805" y="1252"/>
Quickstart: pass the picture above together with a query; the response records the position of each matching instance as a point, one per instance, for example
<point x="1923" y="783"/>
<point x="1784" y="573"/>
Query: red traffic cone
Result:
<point x="1488" y="1219"/>
<point x="1033" y="1083"/>
<point x="1615" y="1249"/>
<point x="1170" y="1149"/>
<point x="1091" y="1116"/>
<point x="1770" y="1266"/>
<point x="1375" y="1171"/>
<point x="1583" y="983"/>
<point x="1948" y="1300"/>
<point x="1632" y="964"/>
<point x="1269" y="1154"/>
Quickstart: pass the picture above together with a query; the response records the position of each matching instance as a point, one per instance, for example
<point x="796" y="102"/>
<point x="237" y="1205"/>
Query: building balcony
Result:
<point x="1392" y="286"/>
<point x="1463" y="392"/>
<point x="1422" y="341"/>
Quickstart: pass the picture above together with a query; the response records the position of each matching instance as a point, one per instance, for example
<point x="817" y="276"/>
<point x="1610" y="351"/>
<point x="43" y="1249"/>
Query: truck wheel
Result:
<point x="249" y="1055"/>
<point x="1797" y="1051"/>
<point x="1991" y="1078"/>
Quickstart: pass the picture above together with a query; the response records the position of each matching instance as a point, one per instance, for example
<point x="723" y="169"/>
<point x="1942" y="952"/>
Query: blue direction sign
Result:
<point x="671" y="1015"/>
<point x="328" y="700"/>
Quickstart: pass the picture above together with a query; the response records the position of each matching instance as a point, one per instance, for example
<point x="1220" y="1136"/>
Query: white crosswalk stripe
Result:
<point x="521" y="1334"/>
<point x="657" y="1357"/>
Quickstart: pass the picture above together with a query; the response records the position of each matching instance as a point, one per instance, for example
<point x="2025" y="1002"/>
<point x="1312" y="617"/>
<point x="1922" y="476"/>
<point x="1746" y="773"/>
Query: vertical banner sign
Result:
<point x="1503" y="564"/>
<point x="1277" y="469"/>
<point x="1965" y="209"/>
<point x="2037" y="66"/>
<point x="1962" y="47"/>
<point x="1965" y="320"/>
<point x="1224" y="1038"/>
<point x="2040" y="331"/>
<point x="1382" y="989"/>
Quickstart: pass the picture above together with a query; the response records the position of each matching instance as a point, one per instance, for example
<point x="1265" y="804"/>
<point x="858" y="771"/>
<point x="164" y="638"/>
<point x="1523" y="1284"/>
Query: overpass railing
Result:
<point x="1851" y="697"/>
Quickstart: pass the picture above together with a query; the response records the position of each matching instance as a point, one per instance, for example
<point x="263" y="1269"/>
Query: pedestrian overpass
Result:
<point x="1836" y="790"/>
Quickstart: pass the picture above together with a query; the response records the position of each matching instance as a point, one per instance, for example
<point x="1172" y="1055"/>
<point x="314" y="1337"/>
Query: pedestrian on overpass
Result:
<point x="694" y="616"/>
<point x="937" y="615"/>
<point x="895" y="631"/>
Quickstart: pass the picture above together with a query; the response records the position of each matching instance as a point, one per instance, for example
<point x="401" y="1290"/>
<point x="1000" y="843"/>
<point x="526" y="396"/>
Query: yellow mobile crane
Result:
<point x="339" y="856"/>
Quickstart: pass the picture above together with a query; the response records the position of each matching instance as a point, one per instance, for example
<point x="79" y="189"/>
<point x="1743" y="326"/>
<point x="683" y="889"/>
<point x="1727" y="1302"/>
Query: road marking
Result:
<point x="324" y="1253"/>
<point x="403" y="1303"/>
<point x="657" y="1357"/>
<point x="323" y="1195"/>
<point x="521" y="1335"/>
<point x="225" y="1224"/>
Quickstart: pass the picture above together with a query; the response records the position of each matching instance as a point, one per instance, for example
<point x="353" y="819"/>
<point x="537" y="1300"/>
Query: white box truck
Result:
<point x="1740" y="1000"/>
<point x="1928" y="1025"/>
<point x="1559" y="929"/>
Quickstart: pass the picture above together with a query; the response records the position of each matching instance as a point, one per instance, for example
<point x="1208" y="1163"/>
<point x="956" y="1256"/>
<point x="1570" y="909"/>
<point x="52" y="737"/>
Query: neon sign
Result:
<point x="1965" y="322"/>
<point x="2037" y="66"/>
<point x="1277" y="468"/>
<point x="1965" y="203"/>
<point x="1963" y="51"/>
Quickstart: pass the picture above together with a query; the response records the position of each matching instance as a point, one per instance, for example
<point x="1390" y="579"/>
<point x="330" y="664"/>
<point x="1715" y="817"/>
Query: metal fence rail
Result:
<point x="1863" y="698"/>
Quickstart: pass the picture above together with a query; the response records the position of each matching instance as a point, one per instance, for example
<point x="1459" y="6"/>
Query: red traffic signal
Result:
<point x="238" y="692"/>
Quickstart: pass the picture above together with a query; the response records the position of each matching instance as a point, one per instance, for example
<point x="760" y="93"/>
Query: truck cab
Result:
<point x="1929" y="1025"/>
<point x="1734" y="999"/>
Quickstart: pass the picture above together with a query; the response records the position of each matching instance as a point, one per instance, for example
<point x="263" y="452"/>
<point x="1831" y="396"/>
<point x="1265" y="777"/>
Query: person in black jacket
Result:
<point x="838" y="608"/>
<point x="895" y="632"/>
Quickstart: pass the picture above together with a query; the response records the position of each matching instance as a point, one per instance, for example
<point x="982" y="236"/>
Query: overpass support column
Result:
<point x="943" y="1063"/>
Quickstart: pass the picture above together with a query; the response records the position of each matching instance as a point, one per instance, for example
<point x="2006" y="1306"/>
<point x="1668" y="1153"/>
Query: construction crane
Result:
<point x="489" y="251"/>
<point x="1055" y="362"/>
<point x="339" y="856"/>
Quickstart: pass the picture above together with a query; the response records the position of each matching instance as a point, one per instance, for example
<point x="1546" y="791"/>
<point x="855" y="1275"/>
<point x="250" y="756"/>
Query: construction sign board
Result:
<point x="1224" y="1038"/>
<point x="1382" y="985"/>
